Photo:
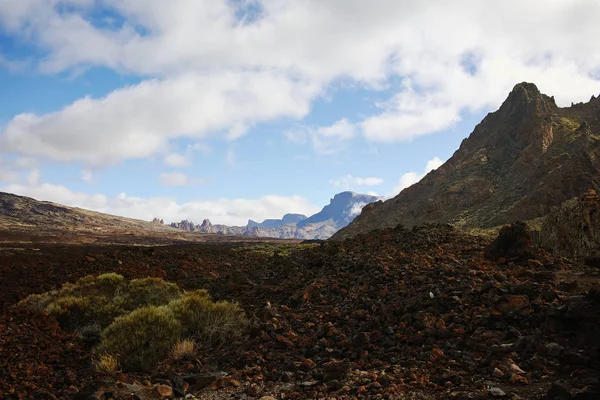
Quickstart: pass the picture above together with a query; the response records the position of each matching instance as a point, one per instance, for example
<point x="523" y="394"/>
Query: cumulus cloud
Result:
<point x="176" y="160"/>
<point x="222" y="211"/>
<point x="410" y="178"/>
<point x="325" y="140"/>
<point x="177" y="179"/>
<point x="138" y="121"/>
<point x="223" y="66"/>
<point x="349" y="181"/>
<point x="17" y="169"/>
<point x="357" y="209"/>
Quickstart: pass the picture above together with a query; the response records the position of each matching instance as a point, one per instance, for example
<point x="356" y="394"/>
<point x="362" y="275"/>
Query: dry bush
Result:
<point x="107" y="364"/>
<point x="184" y="350"/>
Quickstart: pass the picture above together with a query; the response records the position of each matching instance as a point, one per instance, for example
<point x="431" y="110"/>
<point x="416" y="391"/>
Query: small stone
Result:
<point x="498" y="373"/>
<point x="334" y="385"/>
<point x="515" y="378"/>
<point x="362" y="339"/>
<point x="437" y="352"/>
<point x="286" y="376"/>
<point x="496" y="392"/>
<point x="335" y="370"/>
<point x="515" y="368"/>
<point x="307" y="365"/>
<point x="164" y="390"/>
<point x="554" y="349"/>
<point x="267" y="398"/>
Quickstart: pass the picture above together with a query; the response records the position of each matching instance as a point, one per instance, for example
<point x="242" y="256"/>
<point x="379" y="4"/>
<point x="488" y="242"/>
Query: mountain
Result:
<point x="26" y="220"/>
<point x="340" y="211"/>
<point x="519" y="162"/>
<point x="287" y="219"/>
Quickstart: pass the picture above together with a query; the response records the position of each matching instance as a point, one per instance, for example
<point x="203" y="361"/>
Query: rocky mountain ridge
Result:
<point x="26" y="220"/>
<point x="340" y="211"/>
<point x="519" y="163"/>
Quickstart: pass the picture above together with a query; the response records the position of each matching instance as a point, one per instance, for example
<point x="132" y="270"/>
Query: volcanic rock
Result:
<point x="573" y="230"/>
<point x="513" y="242"/>
<point x="519" y="162"/>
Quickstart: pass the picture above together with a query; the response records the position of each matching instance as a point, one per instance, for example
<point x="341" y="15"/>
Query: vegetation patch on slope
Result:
<point x="138" y="322"/>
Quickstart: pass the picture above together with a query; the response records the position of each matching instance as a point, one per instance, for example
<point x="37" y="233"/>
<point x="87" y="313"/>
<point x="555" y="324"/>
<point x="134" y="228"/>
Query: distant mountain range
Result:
<point x="340" y="211"/>
<point x="518" y="164"/>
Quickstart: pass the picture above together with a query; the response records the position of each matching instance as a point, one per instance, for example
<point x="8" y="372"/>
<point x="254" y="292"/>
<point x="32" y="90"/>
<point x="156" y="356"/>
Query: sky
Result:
<point x="249" y="109"/>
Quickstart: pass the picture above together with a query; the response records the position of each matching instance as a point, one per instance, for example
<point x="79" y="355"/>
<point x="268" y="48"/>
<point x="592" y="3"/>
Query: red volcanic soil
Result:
<point x="417" y="314"/>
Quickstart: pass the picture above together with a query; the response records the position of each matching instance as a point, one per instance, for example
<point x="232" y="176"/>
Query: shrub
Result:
<point x="38" y="302"/>
<point x="107" y="364"/>
<point x="183" y="350"/>
<point x="141" y="321"/>
<point x="142" y="337"/>
<point x="105" y="285"/>
<point x="90" y="333"/>
<point x="101" y="299"/>
<point x="71" y="311"/>
<point x="202" y="318"/>
<point x="149" y="292"/>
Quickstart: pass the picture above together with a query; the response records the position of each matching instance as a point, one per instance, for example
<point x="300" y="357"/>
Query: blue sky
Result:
<point x="231" y="110"/>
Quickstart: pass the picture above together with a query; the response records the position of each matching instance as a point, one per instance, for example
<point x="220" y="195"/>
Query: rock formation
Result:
<point x="519" y="163"/>
<point x="573" y="230"/>
<point x="341" y="210"/>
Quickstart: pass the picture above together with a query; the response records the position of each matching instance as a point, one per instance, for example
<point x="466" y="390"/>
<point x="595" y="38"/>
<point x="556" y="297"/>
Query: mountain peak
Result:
<point x="525" y="100"/>
<point x="519" y="162"/>
<point x="527" y="87"/>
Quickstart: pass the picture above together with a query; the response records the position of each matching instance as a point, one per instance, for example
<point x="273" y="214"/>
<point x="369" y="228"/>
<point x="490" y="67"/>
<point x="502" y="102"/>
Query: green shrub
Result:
<point x="105" y="285"/>
<point x="149" y="291"/>
<point x="101" y="299"/>
<point x="204" y="319"/>
<point x="38" y="302"/>
<point x="142" y="337"/>
<point x="139" y="321"/>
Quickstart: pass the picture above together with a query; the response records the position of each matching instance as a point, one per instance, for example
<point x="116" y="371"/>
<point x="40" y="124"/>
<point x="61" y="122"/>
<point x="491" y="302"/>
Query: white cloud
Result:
<point x="213" y="72"/>
<point x="176" y="160"/>
<point x="138" y="121"/>
<point x="410" y="178"/>
<point x="349" y="181"/>
<point x="357" y="209"/>
<point x="201" y="147"/>
<point x="33" y="178"/>
<point x="432" y="164"/>
<point x="18" y="169"/>
<point x="86" y="175"/>
<point x="177" y="179"/>
<point x="325" y="140"/>
<point x="221" y="211"/>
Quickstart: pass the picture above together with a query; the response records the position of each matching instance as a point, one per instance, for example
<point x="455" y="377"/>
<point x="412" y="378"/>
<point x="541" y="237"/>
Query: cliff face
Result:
<point x="519" y="162"/>
<point x="573" y="230"/>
